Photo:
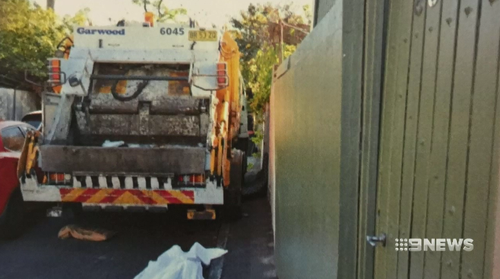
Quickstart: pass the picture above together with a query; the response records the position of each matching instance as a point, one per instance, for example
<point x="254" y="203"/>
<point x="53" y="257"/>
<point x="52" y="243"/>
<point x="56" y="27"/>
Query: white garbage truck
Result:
<point x="141" y="116"/>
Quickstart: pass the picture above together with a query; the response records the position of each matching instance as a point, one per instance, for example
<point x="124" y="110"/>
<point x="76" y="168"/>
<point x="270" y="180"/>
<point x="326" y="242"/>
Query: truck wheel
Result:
<point x="242" y="144"/>
<point x="12" y="219"/>
<point x="232" y="194"/>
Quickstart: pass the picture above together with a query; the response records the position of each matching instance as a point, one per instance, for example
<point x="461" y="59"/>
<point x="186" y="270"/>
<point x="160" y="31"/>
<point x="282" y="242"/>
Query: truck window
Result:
<point x="13" y="139"/>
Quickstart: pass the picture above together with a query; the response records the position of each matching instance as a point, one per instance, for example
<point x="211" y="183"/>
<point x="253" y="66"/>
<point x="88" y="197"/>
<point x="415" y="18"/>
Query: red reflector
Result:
<point x="221" y="80"/>
<point x="200" y="178"/>
<point x="56" y="177"/>
<point x="221" y="66"/>
<point x="191" y="179"/>
<point x="55" y="63"/>
<point x="54" y="68"/>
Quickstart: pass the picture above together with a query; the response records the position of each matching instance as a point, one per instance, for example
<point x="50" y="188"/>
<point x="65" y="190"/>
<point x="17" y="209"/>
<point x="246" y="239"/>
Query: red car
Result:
<point x="12" y="135"/>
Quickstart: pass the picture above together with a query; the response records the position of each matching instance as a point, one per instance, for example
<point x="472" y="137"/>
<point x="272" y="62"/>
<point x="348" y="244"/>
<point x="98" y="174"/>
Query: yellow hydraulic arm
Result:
<point x="228" y="109"/>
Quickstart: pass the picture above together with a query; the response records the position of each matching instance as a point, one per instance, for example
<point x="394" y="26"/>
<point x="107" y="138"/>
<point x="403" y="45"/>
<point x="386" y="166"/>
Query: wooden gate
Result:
<point x="438" y="155"/>
<point x="386" y="120"/>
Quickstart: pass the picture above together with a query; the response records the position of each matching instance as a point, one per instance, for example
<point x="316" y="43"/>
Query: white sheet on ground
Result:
<point x="177" y="264"/>
<point x="109" y="143"/>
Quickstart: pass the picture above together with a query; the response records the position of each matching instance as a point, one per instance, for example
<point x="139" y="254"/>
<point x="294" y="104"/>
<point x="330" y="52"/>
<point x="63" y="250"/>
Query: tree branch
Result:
<point x="160" y="15"/>
<point x="295" y="27"/>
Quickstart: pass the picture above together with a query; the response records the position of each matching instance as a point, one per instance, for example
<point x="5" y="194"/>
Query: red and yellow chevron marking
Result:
<point x="126" y="196"/>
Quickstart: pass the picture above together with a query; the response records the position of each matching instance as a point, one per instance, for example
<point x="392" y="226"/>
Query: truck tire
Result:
<point x="11" y="220"/>
<point x="232" y="194"/>
<point x="242" y="144"/>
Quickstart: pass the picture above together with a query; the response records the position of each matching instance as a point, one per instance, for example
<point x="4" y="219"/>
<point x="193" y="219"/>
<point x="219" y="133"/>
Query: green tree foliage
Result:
<point x="258" y="36"/>
<point x="255" y="26"/>
<point x="259" y="73"/>
<point x="163" y="13"/>
<point x="80" y="18"/>
<point x="29" y="35"/>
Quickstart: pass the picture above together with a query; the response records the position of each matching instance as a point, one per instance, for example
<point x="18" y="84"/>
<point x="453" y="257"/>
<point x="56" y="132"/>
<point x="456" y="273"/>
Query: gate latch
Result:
<point x="374" y="240"/>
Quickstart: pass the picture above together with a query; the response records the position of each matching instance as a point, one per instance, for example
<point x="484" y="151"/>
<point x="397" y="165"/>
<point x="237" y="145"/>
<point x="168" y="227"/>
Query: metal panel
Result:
<point x="459" y="133"/>
<point x="50" y="103"/>
<point x="440" y="135"/>
<point x="446" y="185"/>
<point x="492" y="252"/>
<point x="408" y="188"/>
<point x="179" y="160"/>
<point x="392" y="131"/>
<point x="145" y="125"/>
<point x="307" y="113"/>
<point x="352" y="74"/>
<point x="59" y="129"/>
<point x="321" y="8"/>
<point x="138" y="37"/>
<point x="483" y="101"/>
<point x="422" y="140"/>
<point x="144" y="56"/>
<point x="372" y="84"/>
<point x="159" y="105"/>
<point x="438" y="174"/>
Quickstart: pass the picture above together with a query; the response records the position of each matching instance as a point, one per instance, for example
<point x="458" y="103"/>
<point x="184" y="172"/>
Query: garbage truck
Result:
<point x="148" y="116"/>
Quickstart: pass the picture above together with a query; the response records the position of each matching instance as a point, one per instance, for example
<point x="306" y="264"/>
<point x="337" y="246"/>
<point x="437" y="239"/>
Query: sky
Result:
<point x="206" y="12"/>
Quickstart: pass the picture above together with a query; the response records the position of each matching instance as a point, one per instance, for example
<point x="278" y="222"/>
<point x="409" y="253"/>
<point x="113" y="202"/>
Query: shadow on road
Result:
<point x="140" y="237"/>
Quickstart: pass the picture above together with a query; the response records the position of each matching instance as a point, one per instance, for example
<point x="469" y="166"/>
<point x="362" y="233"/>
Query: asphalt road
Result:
<point x="140" y="237"/>
<point x="250" y="243"/>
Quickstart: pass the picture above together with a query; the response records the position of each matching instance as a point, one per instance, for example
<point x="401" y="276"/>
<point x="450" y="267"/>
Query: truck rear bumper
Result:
<point x="210" y="194"/>
<point x="67" y="159"/>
